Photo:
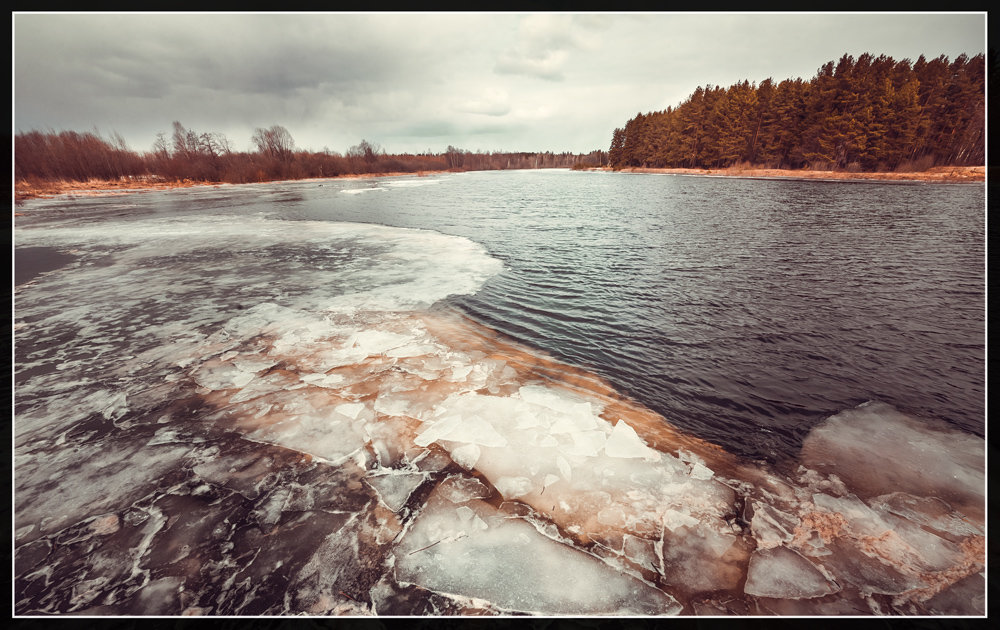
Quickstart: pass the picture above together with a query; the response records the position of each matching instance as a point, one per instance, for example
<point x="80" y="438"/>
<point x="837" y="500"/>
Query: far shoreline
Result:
<point x="24" y="191"/>
<point x="946" y="174"/>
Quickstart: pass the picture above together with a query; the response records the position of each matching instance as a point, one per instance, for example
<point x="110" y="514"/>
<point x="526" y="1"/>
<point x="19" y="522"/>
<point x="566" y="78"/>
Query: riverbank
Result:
<point x="936" y="174"/>
<point x="24" y="190"/>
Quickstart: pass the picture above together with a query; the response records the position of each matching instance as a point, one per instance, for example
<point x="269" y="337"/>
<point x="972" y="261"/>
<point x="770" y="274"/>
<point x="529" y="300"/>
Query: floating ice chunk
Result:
<point x="254" y="365"/>
<point x="394" y="405"/>
<point x="436" y="430"/>
<point x="525" y="418"/>
<point x="862" y="519"/>
<point x="469" y="429"/>
<point x="877" y="450"/>
<point x="781" y="573"/>
<point x="847" y="562"/>
<point x="469" y="519"/>
<point x="770" y="526"/>
<point x="320" y="435"/>
<point x="928" y="511"/>
<point x="586" y="443"/>
<point x="703" y="557"/>
<point x="672" y="519"/>
<point x="268" y="513"/>
<point x="413" y="350"/>
<point x="701" y="471"/>
<point x="395" y="488"/>
<point x="374" y="342"/>
<point x="429" y="460"/>
<point x="351" y="410"/>
<point x="514" y="567"/>
<point x="263" y="385"/>
<point x="459" y="489"/>
<point x="624" y="442"/>
<point x="330" y="381"/>
<point x="513" y="487"/>
<point x="466" y="455"/>
<point x="911" y="545"/>
<point x="641" y="551"/>
<point x="389" y="438"/>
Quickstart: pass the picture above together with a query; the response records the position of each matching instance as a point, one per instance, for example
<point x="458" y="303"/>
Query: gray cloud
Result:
<point x="546" y="41"/>
<point x="496" y="81"/>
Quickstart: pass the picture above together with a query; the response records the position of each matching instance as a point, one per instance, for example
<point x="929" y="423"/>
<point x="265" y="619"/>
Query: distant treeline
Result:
<point x="209" y="157"/>
<point x="864" y="114"/>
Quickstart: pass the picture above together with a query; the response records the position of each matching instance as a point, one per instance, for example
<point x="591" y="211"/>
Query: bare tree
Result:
<point x="185" y="141"/>
<point x="366" y="151"/>
<point x="214" y="144"/>
<point x="160" y="147"/>
<point x="275" y="142"/>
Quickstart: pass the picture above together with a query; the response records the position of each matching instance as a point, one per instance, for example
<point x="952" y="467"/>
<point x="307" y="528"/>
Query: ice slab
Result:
<point x="931" y="512"/>
<point x="771" y="526"/>
<point x="876" y="450"/>
<point x="624" y="442"/>
<point x="473" y="551"/>
<point x="394" y="488"/>
<point x="781" y="573"/>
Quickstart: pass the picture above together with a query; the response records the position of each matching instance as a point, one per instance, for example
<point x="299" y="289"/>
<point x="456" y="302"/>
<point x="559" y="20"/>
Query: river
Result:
<point x="215" y="383"/>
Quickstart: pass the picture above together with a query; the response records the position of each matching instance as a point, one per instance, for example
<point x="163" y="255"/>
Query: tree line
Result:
<point x="865" y="114"/>
<point x="209" y="157"/>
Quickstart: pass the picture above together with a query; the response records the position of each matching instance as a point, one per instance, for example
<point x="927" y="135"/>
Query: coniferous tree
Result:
<point x="870" y="113"/>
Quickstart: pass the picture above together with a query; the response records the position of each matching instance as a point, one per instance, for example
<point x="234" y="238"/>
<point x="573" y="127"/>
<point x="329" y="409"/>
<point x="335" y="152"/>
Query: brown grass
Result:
<point x="936" y="174"/>
<point x="25" y="189"/>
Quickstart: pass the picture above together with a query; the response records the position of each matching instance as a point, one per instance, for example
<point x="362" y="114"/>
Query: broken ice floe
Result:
<point x="473" y="551"/>
<point x="667" y="521"/>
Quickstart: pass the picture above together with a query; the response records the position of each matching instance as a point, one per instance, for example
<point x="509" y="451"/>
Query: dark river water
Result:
<point x="439" y="395"/>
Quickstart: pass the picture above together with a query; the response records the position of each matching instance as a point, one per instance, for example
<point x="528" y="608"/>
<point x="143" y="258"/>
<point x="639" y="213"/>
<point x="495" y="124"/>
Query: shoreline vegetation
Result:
<point x="53" y="162"/>
<point x="867" y="115"/>
<point x="25" y="190"/>
<point x="951" y="174"/>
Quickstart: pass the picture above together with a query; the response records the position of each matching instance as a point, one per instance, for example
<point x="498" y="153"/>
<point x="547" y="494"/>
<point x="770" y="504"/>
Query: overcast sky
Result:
<point x="413" y="82"/>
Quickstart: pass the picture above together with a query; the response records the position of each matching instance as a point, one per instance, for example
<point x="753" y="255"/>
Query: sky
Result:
<point x="419" y="82"/>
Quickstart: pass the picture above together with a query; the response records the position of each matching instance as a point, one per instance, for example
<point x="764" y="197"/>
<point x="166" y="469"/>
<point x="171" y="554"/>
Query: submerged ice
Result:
<point x="268" y="418"/>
